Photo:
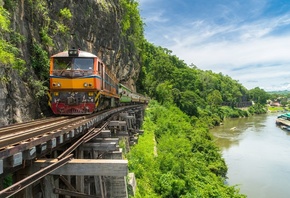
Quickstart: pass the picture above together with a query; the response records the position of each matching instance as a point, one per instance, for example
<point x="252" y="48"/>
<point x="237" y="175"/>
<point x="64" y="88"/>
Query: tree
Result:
<point x="258" y="95"/>
<point x="214" y="98"/>
<point x="164" y="93"/>
<point x="189" y="102"/>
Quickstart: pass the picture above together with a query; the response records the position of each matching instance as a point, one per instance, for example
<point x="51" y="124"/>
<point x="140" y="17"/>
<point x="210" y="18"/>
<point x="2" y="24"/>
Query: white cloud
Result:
<point x="156" y="16"/>
<point x="247" y="51"/>
<point x="265" y="58"/>
<point x="236" y="54"/>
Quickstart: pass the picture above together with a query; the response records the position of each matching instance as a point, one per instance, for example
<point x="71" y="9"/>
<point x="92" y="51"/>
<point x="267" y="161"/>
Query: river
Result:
<point x="257" y="154"/>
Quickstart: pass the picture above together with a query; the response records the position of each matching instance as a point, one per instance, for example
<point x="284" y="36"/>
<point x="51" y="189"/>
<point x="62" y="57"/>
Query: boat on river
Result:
<point x="284" y="121"/>
<point x="287" y="128"/>
<point x="285" y="116"/>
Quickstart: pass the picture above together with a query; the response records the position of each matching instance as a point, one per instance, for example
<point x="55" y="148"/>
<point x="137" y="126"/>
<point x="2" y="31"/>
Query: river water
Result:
<point x="257" y="154"/>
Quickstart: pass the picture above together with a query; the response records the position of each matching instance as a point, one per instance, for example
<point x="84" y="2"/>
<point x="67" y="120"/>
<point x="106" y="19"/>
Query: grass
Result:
<point x="278" y="109"/>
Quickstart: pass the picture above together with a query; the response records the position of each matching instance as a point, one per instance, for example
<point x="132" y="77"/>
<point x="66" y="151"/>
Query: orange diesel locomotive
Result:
<point x="80" y="83"/>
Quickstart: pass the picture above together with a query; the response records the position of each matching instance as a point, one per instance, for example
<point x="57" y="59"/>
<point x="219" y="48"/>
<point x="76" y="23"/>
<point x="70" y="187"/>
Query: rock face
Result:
<point x="91" y="25"/>
<point x="17" y="103"/>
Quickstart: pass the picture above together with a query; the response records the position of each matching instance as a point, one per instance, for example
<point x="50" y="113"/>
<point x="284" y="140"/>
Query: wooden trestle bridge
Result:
<point x="70" y="156"/>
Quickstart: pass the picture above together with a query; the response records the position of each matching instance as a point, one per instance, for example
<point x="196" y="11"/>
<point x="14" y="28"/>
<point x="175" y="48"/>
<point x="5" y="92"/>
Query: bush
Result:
<point x="177" y="159"/>
<point x="40" y="61"/>
<point x="65" y="13"/>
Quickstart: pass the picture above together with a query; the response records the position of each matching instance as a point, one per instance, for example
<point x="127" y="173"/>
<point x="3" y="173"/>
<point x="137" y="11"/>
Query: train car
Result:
<point x="125" y="94"/>
<point x="128" y="96"/>
<point x="135" y="98"/>
<point x="80" y="83"/>
<point x="143" y="99"/>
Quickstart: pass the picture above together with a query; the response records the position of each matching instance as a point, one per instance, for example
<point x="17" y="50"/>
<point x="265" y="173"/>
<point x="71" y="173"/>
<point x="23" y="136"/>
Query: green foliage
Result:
<point x="198" y="93"/>
<point x="169" y="80"/>
<point x="229" y="112"/>
<point x="132" y="24"/>
<point x="131" y="19"/>
<point x="214" y="98"/>
<point x="39" y="89"/>
<point x="8" y="52"/>
<point x="188" y="102"/>
<point x="4" y="20"/>
<point x="40" y="11"/>
<point x="39" y="7"/>
<point x="8" y="181"/>
<point x="16" y="38"/>
<point x="45" y="38"/>
<point x="19" y="66"/>
<point x="40" y="61"/>
<point x="257" y="109"/>
<point x="279" y="93"/>
<point x="122" y="144"/>
<point x="60" y="27"/>
<point x="10" y="4"/>
<point x="176" y="159"/>
<point x="65" y="13"/>
<point x="163" y="93"/>
<point x="7" y="55"/>
<point x="259" y="95"/>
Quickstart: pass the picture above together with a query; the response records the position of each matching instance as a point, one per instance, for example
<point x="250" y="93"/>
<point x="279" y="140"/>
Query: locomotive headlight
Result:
<point x="90" y="84"/>
<point x="55" y="93"/>
<point x="56" y="84"/>
<point x="85" y="84"/>
<point x="91" y="93"/>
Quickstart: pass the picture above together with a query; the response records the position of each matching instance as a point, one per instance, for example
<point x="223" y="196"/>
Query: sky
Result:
<point x="248" y="40"/>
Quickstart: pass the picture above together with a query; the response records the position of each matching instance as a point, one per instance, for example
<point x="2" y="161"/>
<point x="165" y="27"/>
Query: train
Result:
<point x="80" y="84"/>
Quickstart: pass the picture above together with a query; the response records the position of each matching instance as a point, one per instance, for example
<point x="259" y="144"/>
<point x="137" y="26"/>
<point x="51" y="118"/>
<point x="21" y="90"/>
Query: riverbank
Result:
<point x="277" y="109"/>
<point x="256" y="154"/>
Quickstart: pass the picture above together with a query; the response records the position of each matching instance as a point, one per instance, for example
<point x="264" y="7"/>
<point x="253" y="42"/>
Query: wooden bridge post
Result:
<point x="19" y="175"/>
<point x="80" y="186"/>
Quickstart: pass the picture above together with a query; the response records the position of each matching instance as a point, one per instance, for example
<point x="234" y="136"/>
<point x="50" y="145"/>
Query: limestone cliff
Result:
<point x="53" y="26"/>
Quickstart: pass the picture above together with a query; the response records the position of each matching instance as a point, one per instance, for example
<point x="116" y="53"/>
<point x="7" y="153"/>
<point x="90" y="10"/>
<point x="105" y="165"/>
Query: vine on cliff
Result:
<point x="8" y="52"/>
<point x="40" y="61"/>
<point x="132" y="23"/>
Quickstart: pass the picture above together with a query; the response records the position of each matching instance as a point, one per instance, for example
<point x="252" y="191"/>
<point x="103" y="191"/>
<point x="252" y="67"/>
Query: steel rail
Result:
<point x="86" y="137"/>
<point x="27" y="125"/>
<point x="20" y="135"/>
<point x="95" y="132"/>
<point x="18" y="186"/>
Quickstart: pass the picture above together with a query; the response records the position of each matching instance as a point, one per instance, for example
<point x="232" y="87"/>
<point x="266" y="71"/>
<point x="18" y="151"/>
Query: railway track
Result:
<point x="18" y="137"/>
<point x="15" y="134"/>
<point x="12" y="135"/>
<point x="31" y="140"/>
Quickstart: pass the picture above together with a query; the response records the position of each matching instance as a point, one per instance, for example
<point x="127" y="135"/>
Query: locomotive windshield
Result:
<point x="68" y="66"/>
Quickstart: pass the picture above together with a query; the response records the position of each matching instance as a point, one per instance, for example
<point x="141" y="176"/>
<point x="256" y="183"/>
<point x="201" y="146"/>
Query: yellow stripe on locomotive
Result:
<point x="77" y="83"/>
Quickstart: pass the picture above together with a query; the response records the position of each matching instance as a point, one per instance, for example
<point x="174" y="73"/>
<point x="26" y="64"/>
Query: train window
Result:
<point x="83" y="63"/>
<point x="62" y="63"/>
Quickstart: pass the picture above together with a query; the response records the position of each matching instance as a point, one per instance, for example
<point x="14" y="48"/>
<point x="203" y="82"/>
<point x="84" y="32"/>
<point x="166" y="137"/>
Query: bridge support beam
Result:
<point x="80" y="183"/>
<point x="81" y="167"/>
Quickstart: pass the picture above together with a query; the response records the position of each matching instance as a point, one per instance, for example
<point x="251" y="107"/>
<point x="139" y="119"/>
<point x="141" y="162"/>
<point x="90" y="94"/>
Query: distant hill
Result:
<point x="284" y="92"/>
